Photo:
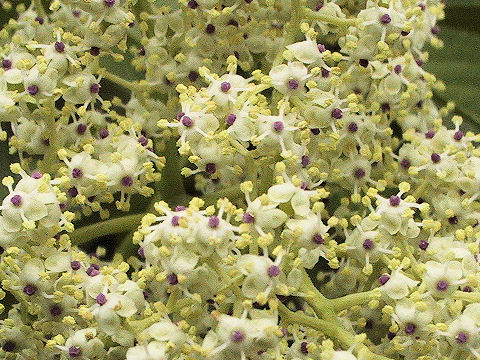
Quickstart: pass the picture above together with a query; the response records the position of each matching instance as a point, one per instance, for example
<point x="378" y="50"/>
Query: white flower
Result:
<point x="289" y="79"/>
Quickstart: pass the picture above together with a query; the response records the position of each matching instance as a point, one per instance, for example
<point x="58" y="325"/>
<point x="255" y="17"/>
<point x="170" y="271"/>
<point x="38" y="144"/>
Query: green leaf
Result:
<point x="457" y="65"/>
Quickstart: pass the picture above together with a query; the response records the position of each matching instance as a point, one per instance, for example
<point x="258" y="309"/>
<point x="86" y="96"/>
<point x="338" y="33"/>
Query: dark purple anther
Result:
<point x="405" y="163"/>
<point x="422" y="6"/>
<point x="385" y="19"/>
<point x="59" y="46"/>
<point x="325" y="73"/>
<point x="16" y="200"/>
<point x="397" y="69"/>
<point x="461" y="338"/>
<point x="75" y="265"/>
<point x="303" y="347"/>
<point x="383" y="279"/>
<point x="81" y="128"/>
<point x="359" y="173"/>
<point x="273" y="271"/>
<point x="363" y="63"/>
<point x="248" y="218"/>
<point x="9" y="346"/>
<point x="40" y="20"/>
<point x="419" y="62"/>
<point x="37" y="175"/>
<point x="353" y="127"/>
<point x="453" y="220"/>
<point x="305" y="160"/>
<point x="94" y="51"/>
<point x="225" y="86"/>
<point x="293" y="84"/>
<point x="435" y="158"/>
<point x="442" y="285"/>
<point x="368" y="244"/>
<point x="231" y="119"/>
<point x="101" y="299"/>
<point x="321" y="48"/>
<point x="142" y="140"/>
<point x="467" y="289"/>
<point x="74" y="351"/>
<point x="211" y="168"/>
<point x="92" y="271"/>
<point x="318" y="239"/>
<point x="430" y="134"/>
<point x="180" y="208"/>
<point x="175" y="220"/>
<point x="103" y="133"/>
<point x="192" y="4"/>
<point x="213" y="221"/>
<point x="423" y="245"/>
<point x="278" y="126"/>
<point x="187" y="121"/>
<point x="193" y="76"/>
<point x="109" y="3"/>
<point x="141" y="253"/>
<point x="76" y="13"/>
<point x="95" y="88"/>
<point x="127" y="181"/>
<point x="315" y="131"/>
<point x="72" y="192"/>
<point x="77" y="173"/>
<point x="394" y="200"/>
<point x="410" y="328"/>
<point x="6" y="64"/>
<point x="30" y="290"/>
<point x="55" y="310"/>
<point x="238" y="336"/>
<point x="32" y="89"/>
<point x="318" y="6"/>
<point x="385" y="107"/>
<point x="210" y="29"/>
<point x="337" y="113"/>
<point x="458" y="135"/>
<point x="172" y="279"/>
<point x="2" y="250"/>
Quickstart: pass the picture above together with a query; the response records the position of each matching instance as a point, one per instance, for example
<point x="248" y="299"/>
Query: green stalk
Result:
<point x="39" y="8"/>
<point x="108" y="227"/>
<point x="332" y="330"/>
<point x="347" y="301"/>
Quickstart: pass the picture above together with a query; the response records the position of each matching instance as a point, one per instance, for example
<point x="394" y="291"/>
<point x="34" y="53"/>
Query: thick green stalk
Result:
<point x="330" y="329"/>
<point x="108" y="227"/>
<point x="347" y="301"/>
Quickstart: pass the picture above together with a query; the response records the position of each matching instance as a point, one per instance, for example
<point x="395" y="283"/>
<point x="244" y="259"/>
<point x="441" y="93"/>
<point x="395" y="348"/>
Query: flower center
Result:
<point x="16" y="200"/>
<point x="238" y="336"/>
<point x="410" y="328"/>
<point x="442" y="285"/>
<point x="273" y="271"/>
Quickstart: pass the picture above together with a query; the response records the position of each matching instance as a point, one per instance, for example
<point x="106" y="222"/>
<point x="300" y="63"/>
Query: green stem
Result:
<point x="39" y="8"/>
<point x="347" y="301"/>
<point x="319" y="303"/>
<point x="133" y="86"/>
<point x="332" y="330"/>
<point x="108" y="227"/>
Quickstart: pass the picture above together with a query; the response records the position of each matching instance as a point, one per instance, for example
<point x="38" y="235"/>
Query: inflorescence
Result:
<point x="304" y="196"/>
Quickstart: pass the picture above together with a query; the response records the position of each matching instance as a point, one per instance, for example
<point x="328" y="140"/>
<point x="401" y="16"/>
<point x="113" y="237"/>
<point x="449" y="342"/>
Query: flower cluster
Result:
<point x="306" y="197"/>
